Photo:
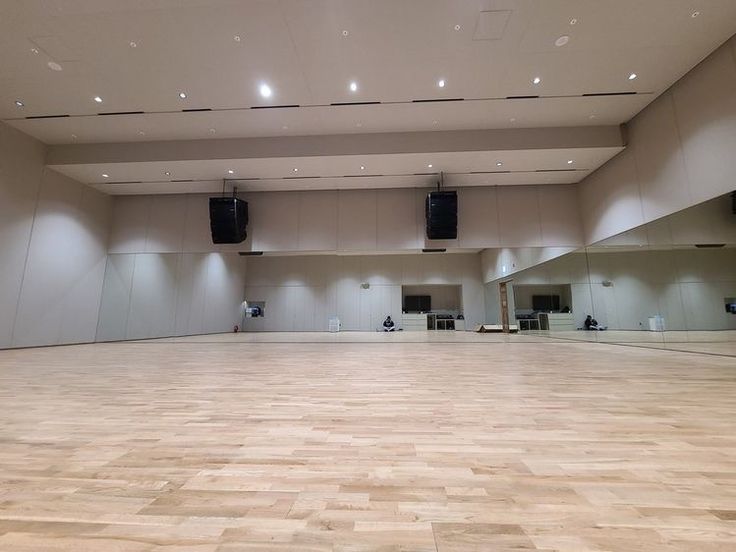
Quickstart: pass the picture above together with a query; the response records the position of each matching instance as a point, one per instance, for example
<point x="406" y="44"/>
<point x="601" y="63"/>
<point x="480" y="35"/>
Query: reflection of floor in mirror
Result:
<point x="713" y="342"/>
<point x="358" y="442"/>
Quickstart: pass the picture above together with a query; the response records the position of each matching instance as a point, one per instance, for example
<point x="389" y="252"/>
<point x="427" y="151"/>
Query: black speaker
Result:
<point x="228" y="219"/>
<point x="440" y="211"/>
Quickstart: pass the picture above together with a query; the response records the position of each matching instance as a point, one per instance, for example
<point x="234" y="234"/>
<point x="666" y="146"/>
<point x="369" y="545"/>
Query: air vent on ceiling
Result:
<point x="594" y="94"/>
<point x="439" y="100"/>
<point x="46" y="116"/>
<point x="709" y="245"/>
<point x="354" y="103"/>
<point x="121" y="113"/>
<point x="250" y="253"/>
<point x="286" y="106"/>
<point x="193" y="110"/>
<point x="434" y="250"/>
<point x="530" y="97"/>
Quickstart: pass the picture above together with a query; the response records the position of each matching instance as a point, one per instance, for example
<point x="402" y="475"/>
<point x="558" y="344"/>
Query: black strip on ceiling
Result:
<point x="123" y="182"/>
<point x="439" y="100"/>
<point x="250" y="253"/>
<point x="593" y="94"/>
<point x="195" y="109"/>
<point x="354" y="103"/>
<point x="434" y="250"/>
<point x="122" y="113"/>
<point x="274" y="106"/>
<point x="709" y="245"/>
<point x="183" y="180"/>
<point x="46" y="116"/>
<point x="555" y="170"/>
<point x="532" y="97"/>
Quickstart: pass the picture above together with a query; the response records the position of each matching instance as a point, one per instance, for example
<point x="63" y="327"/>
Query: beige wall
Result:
<point x="680" y="152"/>
<point x="302" y="292"/>
<point x="53" y="241"/>
<point x="351" y="220"/>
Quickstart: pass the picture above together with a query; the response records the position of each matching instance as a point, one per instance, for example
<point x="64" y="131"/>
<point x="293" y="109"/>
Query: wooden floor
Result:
<point x="496" y="445"/>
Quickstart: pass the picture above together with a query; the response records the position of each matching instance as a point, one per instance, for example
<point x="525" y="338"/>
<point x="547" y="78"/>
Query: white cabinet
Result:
<point x="414" y="322"/>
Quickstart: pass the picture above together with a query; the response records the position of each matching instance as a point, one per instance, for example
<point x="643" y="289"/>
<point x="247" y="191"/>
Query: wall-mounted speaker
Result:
<point x="440" y="211"/>
<point x="228" y="219"/>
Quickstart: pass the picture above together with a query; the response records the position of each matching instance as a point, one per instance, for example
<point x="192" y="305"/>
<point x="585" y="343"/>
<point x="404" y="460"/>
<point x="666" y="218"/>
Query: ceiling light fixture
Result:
<point x="236" y="38"/>
<point x="632" y="76"/>
<point x="457" y="27"/>
<point x="34" y="50"/>
<point x="499" y="164"/>
<point x="74" y="136"/>
<point x="54" y="66"/>
<point x="265" y="90"/>
<point x="97" y="99"/>
<point x="441" y="83"/>
<point x="105" y="175"/>
<point x="230" y="171"/>
<point x="353" y="86"/>
<point x="141" y="133"/>
<point x="18" y="103"/>
<point x="345" y="33"/>
<point x="695" y="14"/>
<point x="536" y="80"/>
<point x="573" y="21"/>
<point x="564" y="39"/>
<point x="429" y="166"/>
<point x="167" y="173"/>
<point x="183" y="95"/>
<point x="212" y="131"/>
<point x="570" y="161"/>
<point x="362" y="167"/>
<point x="296" y="170"/>
<point x="133" y="44"/>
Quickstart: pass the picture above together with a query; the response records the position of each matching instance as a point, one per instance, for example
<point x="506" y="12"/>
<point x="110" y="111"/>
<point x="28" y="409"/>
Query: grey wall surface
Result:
<point x="148" y="295"/>
<point x="680" y="153"/>
<point x="53" y="240"/>
<point x="302" y="292"/>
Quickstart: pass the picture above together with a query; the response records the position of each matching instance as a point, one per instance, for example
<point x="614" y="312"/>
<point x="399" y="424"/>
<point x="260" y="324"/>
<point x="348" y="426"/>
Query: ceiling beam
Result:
<point x="336" y="145"/>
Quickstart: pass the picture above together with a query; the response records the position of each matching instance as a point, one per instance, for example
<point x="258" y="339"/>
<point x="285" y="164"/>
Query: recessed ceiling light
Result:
<point x="19" y="103"/>
<point x="230" y="171"/>
<point x="441" y="83"/>
<point x="265" y="90"/>
<point x="695" y="14"/>
<point x="167" y="173"/>
<point x="564" y="39"/>
<point x="429" y="166"/>
<point x="573" y="21"/>
<point x="362" y="167"/>
<point x="34" y="50"/>
<point x="570" y="161"/>
<point x="97" y="99"/>
<point x="345" y="33"/>
<point x="182" y="95"/>
<point x="236" y="38"/>
<point x="499" y="164"/>
<point x="353" y="86"/>
<point x="457" y="27"/>
<point x="536" y="80"/>
<point x="74" y="136"/>
<point x="105" y="175"/>
<point x="285" y="127"/>
<point x="54" y="66"/>
<point x="133" y="44"/>
<point x="141" y="133"/>
<point x="296" y="170"/>
<point x="632" y="76"/>
<point x="212" y="131"/>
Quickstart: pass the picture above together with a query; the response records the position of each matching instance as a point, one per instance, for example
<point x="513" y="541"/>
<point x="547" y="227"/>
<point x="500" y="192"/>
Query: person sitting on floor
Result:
<point x="388" y="325"/>
<point x="592" y="324"/>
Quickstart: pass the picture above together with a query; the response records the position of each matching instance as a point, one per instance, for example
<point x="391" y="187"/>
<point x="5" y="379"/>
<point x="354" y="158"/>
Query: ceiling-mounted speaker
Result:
<point x="228" y="219"/>
<point x="441" y="213"/>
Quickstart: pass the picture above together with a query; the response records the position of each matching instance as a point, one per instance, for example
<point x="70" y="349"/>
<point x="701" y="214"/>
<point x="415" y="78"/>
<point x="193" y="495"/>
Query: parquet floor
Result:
<point x="445" y="447"/>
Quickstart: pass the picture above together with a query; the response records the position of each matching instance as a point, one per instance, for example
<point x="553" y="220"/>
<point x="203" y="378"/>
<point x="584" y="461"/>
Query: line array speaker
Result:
<point x="228" y="219"/>
<point x="441" y="213"/>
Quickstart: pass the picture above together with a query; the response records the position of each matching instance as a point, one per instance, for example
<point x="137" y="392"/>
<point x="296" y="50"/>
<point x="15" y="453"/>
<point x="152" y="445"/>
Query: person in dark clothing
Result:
<point x="388" y="325"/>
<point x="591" y="323"/>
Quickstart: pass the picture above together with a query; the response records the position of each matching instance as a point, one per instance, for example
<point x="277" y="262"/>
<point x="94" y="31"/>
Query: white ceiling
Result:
<point x="309" y="52"/>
